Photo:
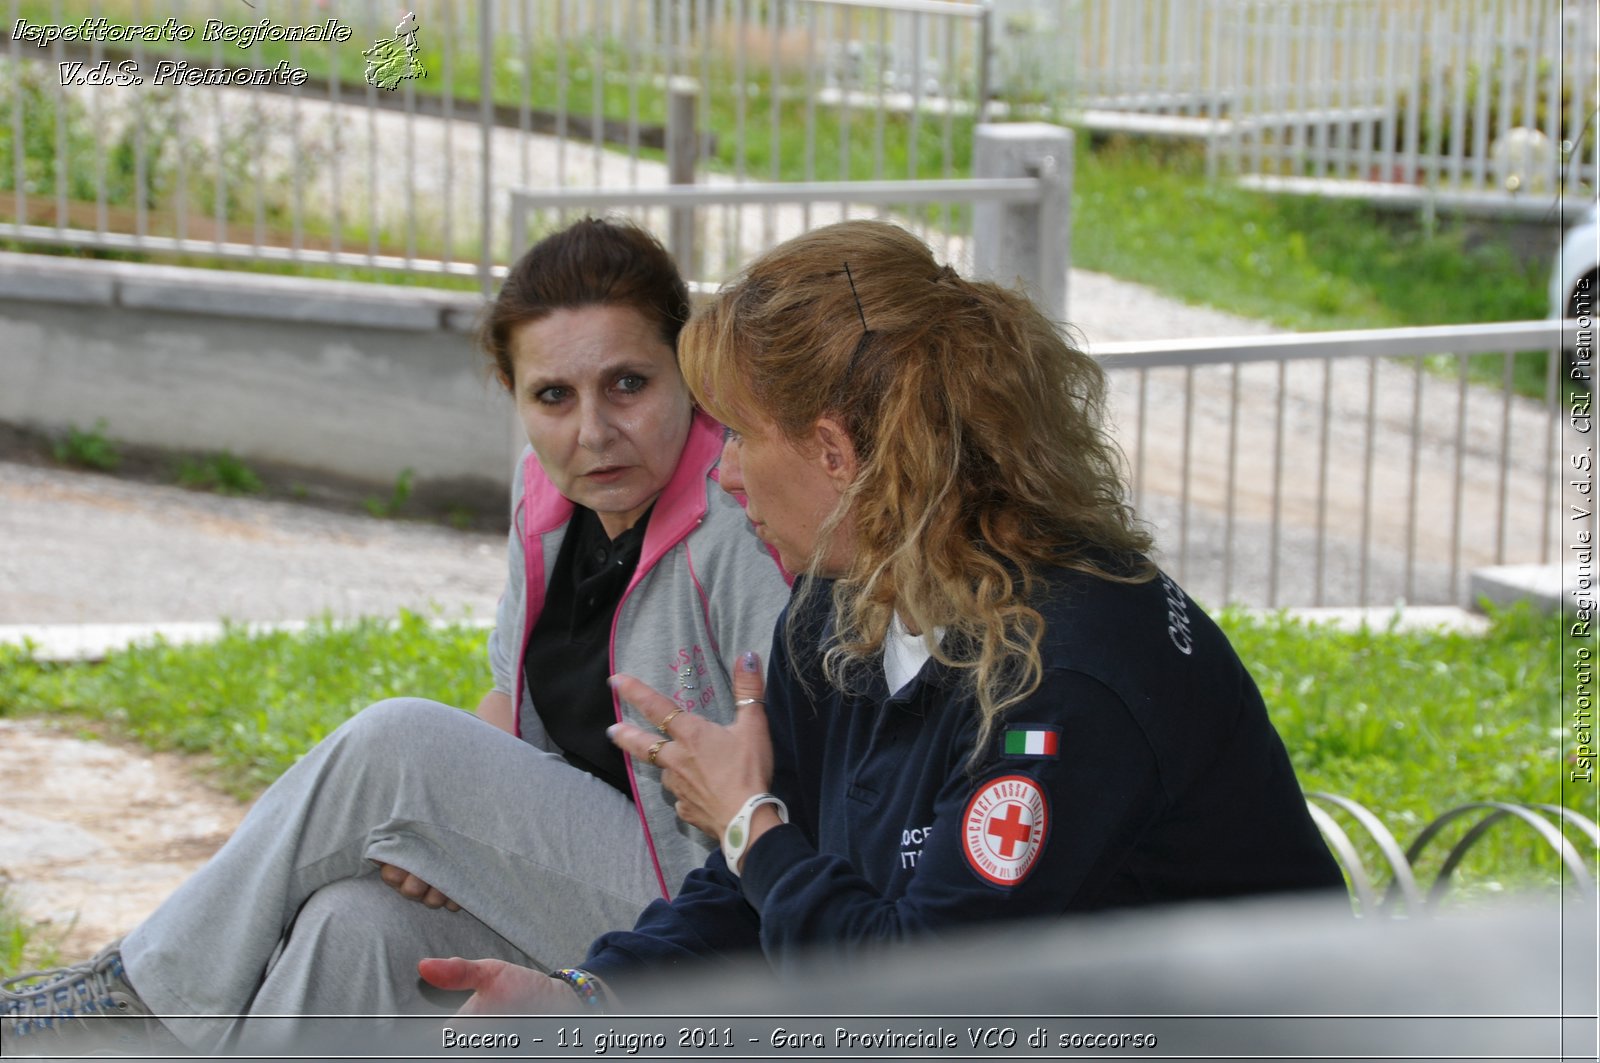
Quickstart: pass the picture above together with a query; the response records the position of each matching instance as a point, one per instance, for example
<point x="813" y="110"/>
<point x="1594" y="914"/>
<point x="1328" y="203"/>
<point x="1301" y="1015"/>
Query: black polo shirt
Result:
<point x="569" y="651"/>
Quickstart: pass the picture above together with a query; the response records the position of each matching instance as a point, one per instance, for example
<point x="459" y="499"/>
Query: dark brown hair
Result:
<point x="593" y="262"/>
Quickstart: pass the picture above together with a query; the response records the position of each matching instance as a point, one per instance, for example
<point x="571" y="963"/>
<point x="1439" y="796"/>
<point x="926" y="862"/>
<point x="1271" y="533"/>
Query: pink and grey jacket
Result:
<point x="707" y="590"/>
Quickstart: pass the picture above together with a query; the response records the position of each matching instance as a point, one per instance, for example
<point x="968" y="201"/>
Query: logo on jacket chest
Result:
<point x="693" y="689"/>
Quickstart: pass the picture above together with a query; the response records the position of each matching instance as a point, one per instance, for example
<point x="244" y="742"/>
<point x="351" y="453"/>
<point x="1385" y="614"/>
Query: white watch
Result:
<point x="736" y="838"/>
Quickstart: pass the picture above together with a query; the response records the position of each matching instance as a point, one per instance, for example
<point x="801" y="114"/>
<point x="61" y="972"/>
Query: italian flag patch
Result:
<point x="1032" y="742"/>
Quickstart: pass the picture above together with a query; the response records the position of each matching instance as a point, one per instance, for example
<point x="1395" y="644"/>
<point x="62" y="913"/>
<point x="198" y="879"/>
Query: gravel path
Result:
<point x="87" y="548"/>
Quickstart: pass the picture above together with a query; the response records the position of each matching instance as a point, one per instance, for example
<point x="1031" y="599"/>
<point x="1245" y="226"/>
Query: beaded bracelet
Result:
<point x="590" y="989"/>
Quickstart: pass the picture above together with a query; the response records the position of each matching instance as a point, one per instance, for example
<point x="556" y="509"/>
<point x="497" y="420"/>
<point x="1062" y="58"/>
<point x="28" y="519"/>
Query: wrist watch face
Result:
<point x="736" y="835"/>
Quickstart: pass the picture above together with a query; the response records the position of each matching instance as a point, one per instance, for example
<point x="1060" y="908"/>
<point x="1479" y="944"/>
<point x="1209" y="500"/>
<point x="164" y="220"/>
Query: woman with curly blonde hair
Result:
<point x="988" y="702"/>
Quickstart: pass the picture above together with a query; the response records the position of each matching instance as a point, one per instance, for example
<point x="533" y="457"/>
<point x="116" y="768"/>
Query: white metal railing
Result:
<point x="1345" y="468"/>
<point x="1027" y="242"/>
<point x="517" y="93"/>
<point x="1448" y="95"/>
<point x="1455" y="97"/>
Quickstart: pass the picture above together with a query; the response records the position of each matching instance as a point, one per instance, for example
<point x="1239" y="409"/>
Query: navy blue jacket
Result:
<point x="1154" y="776"/>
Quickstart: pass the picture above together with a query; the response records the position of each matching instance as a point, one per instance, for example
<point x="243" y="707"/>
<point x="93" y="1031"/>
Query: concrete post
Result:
<point x="683" y="149"/>
<point x="1025" y="243"/>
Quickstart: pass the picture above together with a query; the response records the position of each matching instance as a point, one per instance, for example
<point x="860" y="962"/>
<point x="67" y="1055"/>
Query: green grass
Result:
<point x="24" y="946"/>
<point x="1408" y="724"/>
<point x="87" y="449"/>
<point x="398" y="496"/>
<point x="222" y="472"/>
<point x="254" y="702"/>
<point x="1412" y="725"/>
<point x="1147" y="213"/>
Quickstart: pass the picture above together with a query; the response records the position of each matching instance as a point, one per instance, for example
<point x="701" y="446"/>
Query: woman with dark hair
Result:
<point x="985" y="702"/>
<point x="525" y="839"/>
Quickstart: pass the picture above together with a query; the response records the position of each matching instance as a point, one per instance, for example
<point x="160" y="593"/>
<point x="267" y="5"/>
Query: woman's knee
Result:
<point x="401" y="722"/>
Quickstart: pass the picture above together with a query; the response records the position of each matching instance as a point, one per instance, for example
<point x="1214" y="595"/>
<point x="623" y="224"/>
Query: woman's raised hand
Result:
<point x="709" y="768"/>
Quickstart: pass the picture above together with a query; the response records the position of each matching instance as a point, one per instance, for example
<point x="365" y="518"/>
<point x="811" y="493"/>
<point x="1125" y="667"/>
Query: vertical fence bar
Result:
<point x="58" y="103"/>
<point x="409" y="95"/>
<point x="1553" y="361"/>
<point x="1213" y="110"/>
<point x="683" y="147"/>
<point x="1507" y="392"/>
<point x="486" y="79"/>
<point x="1388" y="37"/>
<point x="1457" y="500"/>
<point x="914" y="134"/>
<point x="336" y="152"/>
<point x="1462" y="39"/>
<point x="880" y="119"/>
<point x="775" y="31"/>
<point x="1413" y="470"/>
<point x="1506" y="62"/>
<point x="19" y="106"/>
<point x="1277" y="488"/>
<point x="1322" y="480"/>
<point x="1585" y="57"/>
<point x="1482" y="50"/>
<point x="1555" y="46"/>
<point x="597" y="102"/>
<point x="1414" y="101"/>
<point x="1320" y="43"/>
<point x="1232" y="482"/>
<point x="1533" y="24"/>
<point x="811" y="110"/>
<point x="1186" y="463"/>
<point x="636" y="76"/>
<point x="297" y="214"/>
<point x="563" y="79"/>
<point x="1436" y="98"/>
<point x="102" y="223"/>
<point x="179" y="135"/>
<point x="1279" y="101"/>
<point x="141" y="169"/>
<point x="985" y="86"/>
<point x="447" y="229"/>
<point x="740" y="95"/>
<point x="523" y="51"/>
<point x="1367" y="457"/>
<point x="1143" y="447"/>
<point x="845" y="109"/>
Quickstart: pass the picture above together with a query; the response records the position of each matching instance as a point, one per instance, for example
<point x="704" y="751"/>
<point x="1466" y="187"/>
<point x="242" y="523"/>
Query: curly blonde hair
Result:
<point x="982" y="451"/>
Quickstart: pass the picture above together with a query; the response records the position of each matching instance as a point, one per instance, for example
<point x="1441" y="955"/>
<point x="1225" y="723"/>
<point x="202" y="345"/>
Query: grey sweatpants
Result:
<point x="542" y="857"/>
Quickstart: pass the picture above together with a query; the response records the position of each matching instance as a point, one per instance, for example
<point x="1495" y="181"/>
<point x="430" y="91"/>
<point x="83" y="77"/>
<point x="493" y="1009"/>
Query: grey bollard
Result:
<point x="683" y="149"/>
<point x="1026" y="243"/>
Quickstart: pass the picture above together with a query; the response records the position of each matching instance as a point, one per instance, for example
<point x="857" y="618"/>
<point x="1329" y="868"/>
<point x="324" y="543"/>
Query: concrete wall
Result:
<point x="357" y="380"/>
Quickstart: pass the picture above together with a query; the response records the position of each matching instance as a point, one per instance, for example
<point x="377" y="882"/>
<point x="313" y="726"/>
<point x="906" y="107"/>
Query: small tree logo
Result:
<point x="393" y="60"/>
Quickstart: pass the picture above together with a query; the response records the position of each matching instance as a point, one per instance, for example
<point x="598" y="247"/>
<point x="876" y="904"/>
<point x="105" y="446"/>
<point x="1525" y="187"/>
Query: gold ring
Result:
<point x="656" y="749"/>
<point x="662" y="726"/>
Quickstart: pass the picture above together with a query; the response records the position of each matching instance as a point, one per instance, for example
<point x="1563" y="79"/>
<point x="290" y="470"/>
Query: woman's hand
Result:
<point x="409" y="885"/>
<point x="709" y="768"/>
<point x="498" y="987"/>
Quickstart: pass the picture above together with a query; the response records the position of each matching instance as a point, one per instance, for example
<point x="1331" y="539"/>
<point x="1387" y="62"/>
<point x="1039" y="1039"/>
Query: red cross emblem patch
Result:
<point x="1004" y="827"/>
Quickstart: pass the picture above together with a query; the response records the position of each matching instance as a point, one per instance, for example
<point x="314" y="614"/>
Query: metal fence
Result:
<point x="329" y="169"/>
<point x="1453" y="95"/>
<point x="1345" y="469"/>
